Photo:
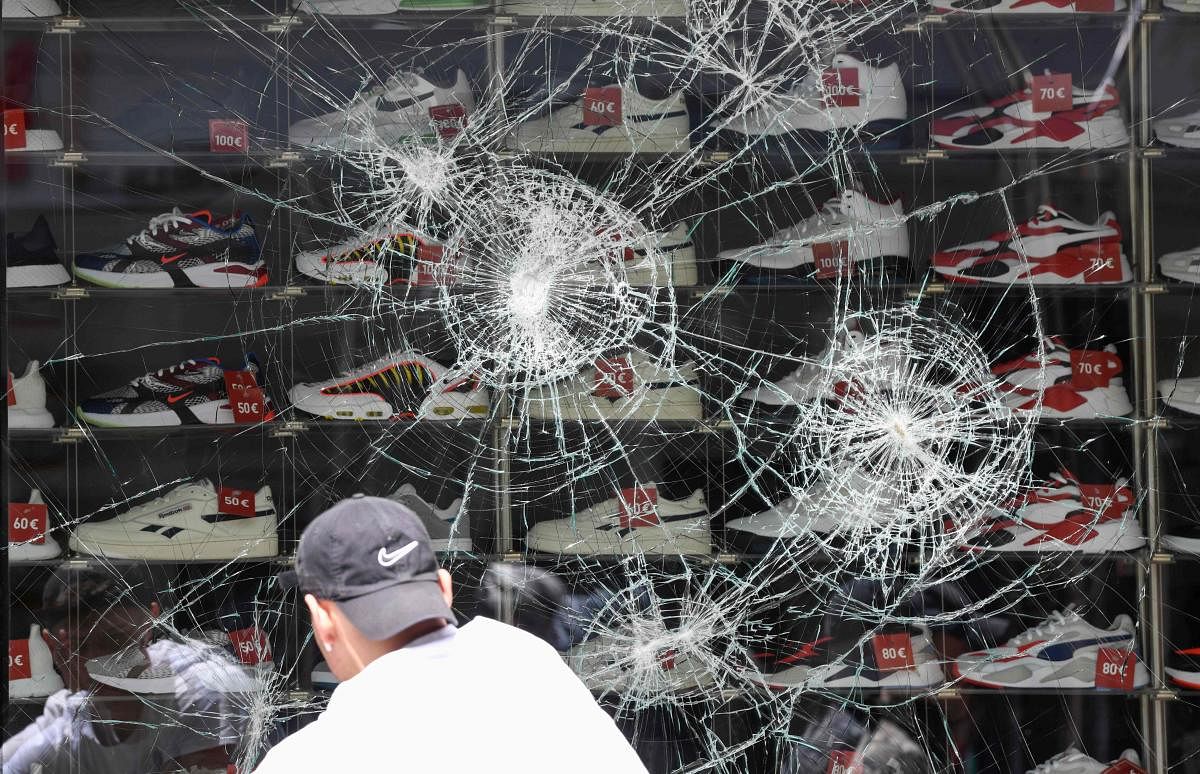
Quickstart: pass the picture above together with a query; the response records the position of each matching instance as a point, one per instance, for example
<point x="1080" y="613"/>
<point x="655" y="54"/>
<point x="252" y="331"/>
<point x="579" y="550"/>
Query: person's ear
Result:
<point x="447" y="585"/>
<point x="324" y="627"/>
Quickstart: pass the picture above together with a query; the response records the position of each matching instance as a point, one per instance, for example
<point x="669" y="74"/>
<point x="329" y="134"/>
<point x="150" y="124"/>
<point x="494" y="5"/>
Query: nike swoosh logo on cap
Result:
<point x="387" y="559"/>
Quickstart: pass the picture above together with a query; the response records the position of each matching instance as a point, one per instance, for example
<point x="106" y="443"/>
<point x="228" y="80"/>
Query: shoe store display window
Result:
<point x="818" y="379"/>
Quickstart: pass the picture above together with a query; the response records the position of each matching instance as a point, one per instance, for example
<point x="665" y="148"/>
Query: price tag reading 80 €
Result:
<point x="893" y="652"/>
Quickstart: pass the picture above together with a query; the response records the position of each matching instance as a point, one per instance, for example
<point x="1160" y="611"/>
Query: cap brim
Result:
<point x="387" y="612"/>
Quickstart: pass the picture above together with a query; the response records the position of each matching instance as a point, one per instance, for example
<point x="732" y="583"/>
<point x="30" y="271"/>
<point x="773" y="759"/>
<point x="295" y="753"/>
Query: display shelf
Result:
<point x="935" y="22"/>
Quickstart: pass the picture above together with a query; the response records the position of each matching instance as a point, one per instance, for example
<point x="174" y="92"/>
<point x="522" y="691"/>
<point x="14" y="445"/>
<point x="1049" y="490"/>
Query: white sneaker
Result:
<point x="1028" y="383"/>
<point x="635" y="521"/>
<point x="619" y="663"/>
<point x="1017" y="6"/>
<point x="1181" y="131"/>
<point x="631" y="386"/>
<point x="850" y="234"/>
<point x="594" y="8"/>
<point x="28" y="9"/>
<point x="403" y="385"/>
<point x="31" y="667"/>
<point x="449" y="528"/>
<point x="406" y="105"/>
<point x="38" y="548"/>
<point x="27" y="399"/>
<point x="822" y="509"/>
<point x="655" y="259"/>
<point x="813" y="380"/>
<point x="375" y="262"/>
<point x="186" y="524"/>
<point x="191" y="667"/>
<point x="1182" y="394"/>
<point x="35" y="139"/>
<point x="1183" y="265"/>
<point x="846" y="94"/>
<point x="645" y="126"/>
<point x="1061" y="652"/>
<point x="1071" y="761"/>
<point x="346" y="7"/>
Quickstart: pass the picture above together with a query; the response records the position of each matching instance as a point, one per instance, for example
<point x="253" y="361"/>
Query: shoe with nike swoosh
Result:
<point x="181" y="250"/>
<point x="1060" y="652"/>
<point x="631" y="123"/>
<point x="406" y="105"/>
<point x="193" y="392"/>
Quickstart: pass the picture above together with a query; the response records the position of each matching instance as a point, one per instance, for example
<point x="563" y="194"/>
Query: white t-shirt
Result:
<point x="486" y="697"/>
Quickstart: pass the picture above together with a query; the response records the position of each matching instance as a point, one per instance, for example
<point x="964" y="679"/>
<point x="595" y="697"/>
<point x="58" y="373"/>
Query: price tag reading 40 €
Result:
<point x="246" y="398"/>
<point x="893" y="652"/>
<point x="1052" y="93"/>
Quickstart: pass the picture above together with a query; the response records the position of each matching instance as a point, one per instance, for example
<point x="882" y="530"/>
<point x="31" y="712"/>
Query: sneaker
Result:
<point x="189" y="523"/>
<point x="178" y="250"/>
<point x="1182" y="538"/>
<point x="1066" y="384"/>
<point x="34" y="545"/>
<point x="31" y="258"/>
<point x="847" y="94"/>
<point x="449" y="528"/>
<point x="194" y="392"/>
<point x="1071" y="761"/>
<point x="636" y="520"/>
<point x="846" y="654"/>
<point x="395" y="259"/>
<point x="620" y="663"/>
<point x="407" y="105"/>
<point x="26" y="397"/>
<point x="372" y="7"/>
<point x="1183" y="265"/>
<point x="628" y="123"/>
<point x="403" y="385"/>
<point x="819" y="511"/>
<point x="29" y="9"/>
<point x="1180" y="131"/>
<point x="815" y="379"/>
<point x="629" y="386"/>
<point x="1183" y="6"/>
<point x="1061" y="652"/>
<point x="191" y="667"/>
<point x="1094" y="121"/>
<point x="850" y="234"/>
<point x="1184" y="668"/>
<point x="657" y="259"/>
<point x="28" y="139"/>
<point x="30" y="666"/>
<point x="1025" y="6"/>
<point x="1181" y="394"/>
<point x="1051" y="248"/>
<point x="593" y="9"/>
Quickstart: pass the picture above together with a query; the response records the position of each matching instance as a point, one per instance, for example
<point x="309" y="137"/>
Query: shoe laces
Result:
<point x="1056" y="620"/>
<point x="187" y="365"/>
<point x="164" y="222"/>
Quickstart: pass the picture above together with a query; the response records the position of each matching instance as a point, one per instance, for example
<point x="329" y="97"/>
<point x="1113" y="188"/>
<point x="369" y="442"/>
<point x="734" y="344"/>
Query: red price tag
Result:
<point x="602" y="106"/>
<point x="832" y="259"/>
<point x="1105" y="499"/>
<point x="19" y="667"/>
<point x="225" y="136"/>
<point x="12" y="396"/>
<point x="639" y="507"/>
<point x="429" y="260"/>
<point x="622" y="250"/>
<point x="27" y="523"/>
<point x="448" y="120"/>
<point x="1095" y="6"/>
<point x="845" y="762"/>
<point x="1115" y="668"/>
<point x="1092" y="368"/>
<point x="840" y="87"/>
<point x="246" y="399"/>
<point x="614" y="378"/>
<point x="251" y="646"/>
<point x="235" y="502"/>
<point x="1052" y="93"/>
<point x="14" y="129"/>
<point x="893" y="652"/>
<point x="1123" y="766"/>
<point x="1104" y="262"/>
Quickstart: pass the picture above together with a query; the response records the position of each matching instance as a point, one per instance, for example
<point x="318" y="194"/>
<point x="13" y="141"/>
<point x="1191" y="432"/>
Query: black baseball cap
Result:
<point x="373" y="557"/>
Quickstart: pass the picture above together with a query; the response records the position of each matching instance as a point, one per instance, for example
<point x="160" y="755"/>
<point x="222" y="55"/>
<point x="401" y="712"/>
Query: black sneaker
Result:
<point x="30" y="259"/>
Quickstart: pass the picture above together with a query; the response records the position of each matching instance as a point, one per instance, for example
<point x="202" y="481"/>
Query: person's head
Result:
<point x="370" y="581"/>
<point x="90" y="613"/>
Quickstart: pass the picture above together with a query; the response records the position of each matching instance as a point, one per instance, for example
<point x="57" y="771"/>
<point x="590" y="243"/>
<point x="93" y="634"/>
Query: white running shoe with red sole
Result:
<point x="1065" y="383"/>
<point x="1051" y="248"/>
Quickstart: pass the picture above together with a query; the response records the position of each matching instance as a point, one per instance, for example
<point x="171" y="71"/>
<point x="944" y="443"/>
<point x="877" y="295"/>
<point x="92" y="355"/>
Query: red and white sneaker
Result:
<point x="1066" y="383"/>
<point x="397" y="258"/>
<point x="1093" y="121"/>
<point x="1064" y="515"/>
<point x="1051" y="248"/>
<point x="1027" y="6"/>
